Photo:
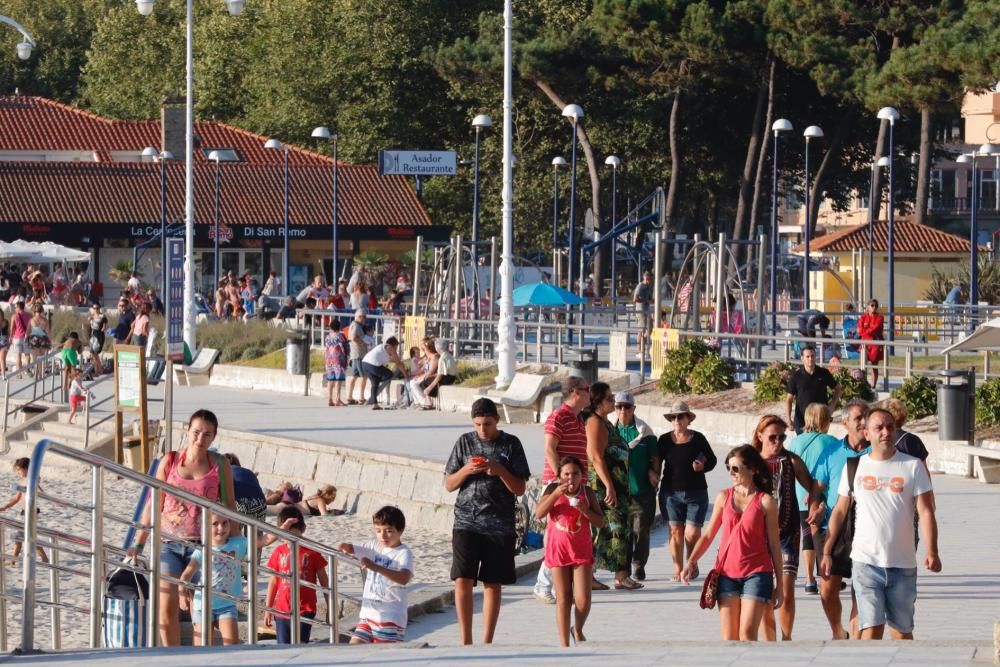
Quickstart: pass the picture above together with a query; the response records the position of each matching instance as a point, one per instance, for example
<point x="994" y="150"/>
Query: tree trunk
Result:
<point x="744" y="204"/>
<point x="675" y="153"/>
<point x="595" y="181"/>
<point x="831" y="154"/>
<point x="758" y="181"/>
<point x="923" y="169"/>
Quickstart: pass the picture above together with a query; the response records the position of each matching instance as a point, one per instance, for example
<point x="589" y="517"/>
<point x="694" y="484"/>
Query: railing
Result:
<point x="46" y="375"/>
<point x="88" y="407"/>
<point x="103" y="555"/>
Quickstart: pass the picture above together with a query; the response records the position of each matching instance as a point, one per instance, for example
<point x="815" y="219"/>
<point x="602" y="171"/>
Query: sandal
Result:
<point x="596" y="585"/>
<point x="627" y="584"/>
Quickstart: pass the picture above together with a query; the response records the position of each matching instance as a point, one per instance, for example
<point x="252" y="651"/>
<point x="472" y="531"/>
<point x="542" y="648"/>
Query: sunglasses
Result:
<point x="776" y="437"/>
<point x="624" y="407"/>
<point x="735" y="470"/>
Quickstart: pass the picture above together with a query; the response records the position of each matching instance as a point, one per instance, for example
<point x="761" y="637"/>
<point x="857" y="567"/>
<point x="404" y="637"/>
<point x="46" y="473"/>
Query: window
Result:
<point x="225" y="154"/>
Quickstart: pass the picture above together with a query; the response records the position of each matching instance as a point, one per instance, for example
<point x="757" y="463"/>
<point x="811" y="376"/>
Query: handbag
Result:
<point x="124" y="612"/>
<point x="710" y="589"/>
<point x="845" y="540"/>
<point x="292" y="495"/>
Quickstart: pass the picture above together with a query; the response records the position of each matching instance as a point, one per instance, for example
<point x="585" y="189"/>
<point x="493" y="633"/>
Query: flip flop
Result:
<point x="627" y="584"/>
<point x="596" y="585"/>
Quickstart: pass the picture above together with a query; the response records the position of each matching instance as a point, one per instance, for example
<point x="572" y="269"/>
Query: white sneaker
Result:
<point x="544" y="595"/>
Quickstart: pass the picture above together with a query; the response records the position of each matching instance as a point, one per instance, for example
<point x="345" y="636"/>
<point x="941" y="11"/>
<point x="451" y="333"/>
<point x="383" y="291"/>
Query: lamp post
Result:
<point x="506" y="352"/>
<point x="324" y="133"/>
<point x="574" y="113"/>
<point x="162" y="158"/>
<point x="235" y="8"/>
<point x="614" y="162"/>
<point x="274" y="144"/>
<point x="557" y="162"/>
<point x="812" y="132"/>
<point x="779" y="126"/>
<point x="25" y="47"/>
<point x="891" y="115"/>
<point x="874" y="207"/>
<point x="216" y="157"/>
<point x="982" y="151"/>
<point x="480" y="123"/>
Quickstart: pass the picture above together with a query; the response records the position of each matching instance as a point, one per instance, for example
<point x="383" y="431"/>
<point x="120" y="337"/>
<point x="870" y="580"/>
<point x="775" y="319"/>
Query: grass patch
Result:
<point x="276" y="361"/>
<point x="475" y="375"/>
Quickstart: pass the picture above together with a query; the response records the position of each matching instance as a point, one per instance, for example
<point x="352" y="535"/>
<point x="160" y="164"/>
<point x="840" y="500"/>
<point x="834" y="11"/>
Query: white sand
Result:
<point x="432" y="550"/>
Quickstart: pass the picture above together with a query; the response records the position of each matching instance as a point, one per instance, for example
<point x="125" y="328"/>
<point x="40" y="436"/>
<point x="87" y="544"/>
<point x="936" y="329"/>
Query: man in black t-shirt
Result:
<point x="489" y="470"/>
<point x="809" y="384"/>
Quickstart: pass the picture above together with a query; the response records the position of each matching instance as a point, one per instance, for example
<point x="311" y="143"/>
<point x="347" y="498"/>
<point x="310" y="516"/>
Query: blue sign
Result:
<point x="175" y="299"/>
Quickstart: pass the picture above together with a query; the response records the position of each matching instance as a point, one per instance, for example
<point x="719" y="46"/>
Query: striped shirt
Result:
<point x="569" y="430"/>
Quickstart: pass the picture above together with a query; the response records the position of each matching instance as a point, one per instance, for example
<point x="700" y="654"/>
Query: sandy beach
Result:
<point x="432" y="550"/>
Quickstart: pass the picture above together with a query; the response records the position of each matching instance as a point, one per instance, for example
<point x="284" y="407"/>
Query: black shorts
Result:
<point x="841" y="565"/>
<point x="807" y="535"/>
<point x="481" y="557"/>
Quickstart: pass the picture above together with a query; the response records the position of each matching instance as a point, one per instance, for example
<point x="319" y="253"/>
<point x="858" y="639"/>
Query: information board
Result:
<point x="128" y="378"/>
<point x="175" y="299"/>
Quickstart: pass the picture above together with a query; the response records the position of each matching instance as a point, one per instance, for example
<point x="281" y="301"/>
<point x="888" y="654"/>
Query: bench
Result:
<point x="524" y="392"/>
<point x="990" y="468"/>
<point x="199" y="371"/>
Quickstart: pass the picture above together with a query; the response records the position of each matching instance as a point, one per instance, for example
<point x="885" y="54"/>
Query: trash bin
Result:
<point x="954" y="401"/>
<point x="297" y="352"/>
<point x="132" y="452"/>
<point x="585" y="364"/>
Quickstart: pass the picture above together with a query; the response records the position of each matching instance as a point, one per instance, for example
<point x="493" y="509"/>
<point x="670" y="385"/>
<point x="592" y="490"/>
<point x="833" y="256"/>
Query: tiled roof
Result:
<point x="40" y="124"/>
<point x="907" y="237"/>
<point x="123" y="192"/>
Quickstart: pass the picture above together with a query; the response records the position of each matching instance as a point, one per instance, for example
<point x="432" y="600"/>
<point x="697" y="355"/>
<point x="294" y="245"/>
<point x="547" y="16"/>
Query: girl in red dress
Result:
<point x="871" y="326"/>
<point x="572" y="508"/>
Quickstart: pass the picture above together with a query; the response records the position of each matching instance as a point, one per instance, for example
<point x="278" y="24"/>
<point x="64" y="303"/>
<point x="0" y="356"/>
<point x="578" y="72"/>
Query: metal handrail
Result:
<point x="98" y="560"/>
<point x="87" y="408"/>
<point x="40" y="362"/>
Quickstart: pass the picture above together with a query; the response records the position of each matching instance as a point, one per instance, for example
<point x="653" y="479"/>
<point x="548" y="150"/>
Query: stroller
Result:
<point x="811" y="324"/>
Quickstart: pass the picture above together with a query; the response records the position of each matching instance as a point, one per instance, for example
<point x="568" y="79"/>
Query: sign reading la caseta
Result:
<point x="416" y="163"/>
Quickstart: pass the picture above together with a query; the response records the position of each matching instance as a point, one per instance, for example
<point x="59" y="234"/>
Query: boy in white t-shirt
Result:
<point x="887" y="486"/>
<point x="389" y="565"/>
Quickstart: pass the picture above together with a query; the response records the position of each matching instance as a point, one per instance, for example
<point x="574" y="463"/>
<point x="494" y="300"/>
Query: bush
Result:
<point x="680" y="362"/>
<point x="232" y="339"/>
<point x="772" y="384"/>
<point x="988" y="403"/>
<point x="711" y="374"/>
<point x="919" y="394"/>
<point x="853" y="385"/>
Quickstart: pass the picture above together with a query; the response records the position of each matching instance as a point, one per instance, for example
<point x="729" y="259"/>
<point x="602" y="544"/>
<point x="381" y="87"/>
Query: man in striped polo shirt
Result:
<point x="564" y="436"/>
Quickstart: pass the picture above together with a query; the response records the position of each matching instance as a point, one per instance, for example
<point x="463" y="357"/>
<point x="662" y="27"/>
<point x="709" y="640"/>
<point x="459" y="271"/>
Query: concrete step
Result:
<point x="60" y="429"/>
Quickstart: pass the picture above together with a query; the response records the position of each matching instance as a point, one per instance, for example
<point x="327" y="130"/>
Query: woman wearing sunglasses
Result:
<point x="749" y="553"/>
<point x="871" y="326"/>
<point x="609" y="453"/>
<point x="785" y="469"/>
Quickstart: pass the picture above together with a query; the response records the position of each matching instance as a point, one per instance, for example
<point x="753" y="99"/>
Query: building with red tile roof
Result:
<point x="76" y="178"/>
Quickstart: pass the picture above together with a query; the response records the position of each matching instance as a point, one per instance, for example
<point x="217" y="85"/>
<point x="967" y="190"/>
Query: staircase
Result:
<point x="54" y="426"/>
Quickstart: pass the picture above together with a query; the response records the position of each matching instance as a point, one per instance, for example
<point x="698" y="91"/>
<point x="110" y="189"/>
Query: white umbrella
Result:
<point x="986" y="336"/>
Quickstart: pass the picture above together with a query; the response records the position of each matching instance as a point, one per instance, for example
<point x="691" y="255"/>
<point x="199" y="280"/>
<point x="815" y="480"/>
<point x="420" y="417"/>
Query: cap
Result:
<point x="624" y="398"/>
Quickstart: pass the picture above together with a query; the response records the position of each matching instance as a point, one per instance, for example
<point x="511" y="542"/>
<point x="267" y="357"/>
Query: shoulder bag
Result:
<point x="710" y="589"/>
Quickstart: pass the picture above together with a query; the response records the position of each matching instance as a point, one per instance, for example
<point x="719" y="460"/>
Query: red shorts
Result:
<point x="75" y="401"/>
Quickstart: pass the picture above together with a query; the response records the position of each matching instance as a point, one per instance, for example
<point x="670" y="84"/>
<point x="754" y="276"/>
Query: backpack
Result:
<point x="842" y="549"/>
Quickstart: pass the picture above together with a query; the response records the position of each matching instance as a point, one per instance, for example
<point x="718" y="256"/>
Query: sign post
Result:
<point x="417" y="163"/>
<point x="130" y="396"/>
<point x="175" y="332"/>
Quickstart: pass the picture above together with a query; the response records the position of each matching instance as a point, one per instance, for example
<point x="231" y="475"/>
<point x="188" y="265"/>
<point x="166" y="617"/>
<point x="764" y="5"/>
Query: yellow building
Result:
<point x="919" y="249"/>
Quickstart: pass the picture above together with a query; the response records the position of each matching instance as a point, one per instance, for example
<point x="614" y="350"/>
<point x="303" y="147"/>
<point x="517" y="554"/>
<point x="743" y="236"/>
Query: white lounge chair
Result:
<point x="524" y="391"/>
<point x="200" y="370"/>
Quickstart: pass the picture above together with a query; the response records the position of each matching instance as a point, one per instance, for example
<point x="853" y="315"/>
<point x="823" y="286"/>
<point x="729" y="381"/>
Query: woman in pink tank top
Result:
<point x="750" y="550"/>
<point x="572" y="508"/>
<point x="201" y="472"/>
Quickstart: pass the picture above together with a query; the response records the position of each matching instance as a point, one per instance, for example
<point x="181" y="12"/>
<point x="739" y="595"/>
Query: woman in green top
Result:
<point x="609" y="454"/>
<point x="70" y="355"/>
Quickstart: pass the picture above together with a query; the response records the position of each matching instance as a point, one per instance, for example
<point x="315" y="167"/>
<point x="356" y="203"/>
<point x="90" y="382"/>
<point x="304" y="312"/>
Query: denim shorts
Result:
<point x="885" y="594"/>
<point x="355" y="366"/>
<point x="790" y="551"/>
<point x="680" y="507"/>
<point x="229" y="611"/>
<point x="174" y="557"/>
<point x="758" y="587"/>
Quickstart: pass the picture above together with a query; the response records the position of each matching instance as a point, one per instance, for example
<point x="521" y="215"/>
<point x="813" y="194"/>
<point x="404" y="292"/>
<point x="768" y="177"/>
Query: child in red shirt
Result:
<point x="279" y="590"/>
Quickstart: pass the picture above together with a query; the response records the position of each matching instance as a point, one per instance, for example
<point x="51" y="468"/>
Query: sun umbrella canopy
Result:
<point x="986" y="336"/>
<point x="544" y="294"/>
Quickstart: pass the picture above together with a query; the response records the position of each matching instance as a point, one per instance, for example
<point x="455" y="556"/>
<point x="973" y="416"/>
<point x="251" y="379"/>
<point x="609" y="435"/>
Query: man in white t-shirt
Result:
<point x="887" y="486"/>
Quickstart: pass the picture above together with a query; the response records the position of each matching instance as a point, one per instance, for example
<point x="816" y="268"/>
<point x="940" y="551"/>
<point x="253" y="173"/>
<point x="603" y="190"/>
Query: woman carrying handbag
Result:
<point x="750" y="553"/>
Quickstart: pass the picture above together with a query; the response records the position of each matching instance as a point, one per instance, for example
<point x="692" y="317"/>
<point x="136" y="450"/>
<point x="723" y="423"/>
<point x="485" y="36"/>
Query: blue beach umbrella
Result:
<point x="544" y="294"/>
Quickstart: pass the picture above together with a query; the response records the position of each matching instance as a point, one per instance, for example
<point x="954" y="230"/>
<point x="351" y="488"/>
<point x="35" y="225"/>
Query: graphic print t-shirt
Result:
<point x="310" y="562"/>
<point x="885" y="493"/>
<point x="226" y="570"/>
<point x="384" y="601"/>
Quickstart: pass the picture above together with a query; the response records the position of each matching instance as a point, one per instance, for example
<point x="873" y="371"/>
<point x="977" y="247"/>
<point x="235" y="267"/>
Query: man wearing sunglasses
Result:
<point x="565" y="435"/>
<point x="809" y="384"/>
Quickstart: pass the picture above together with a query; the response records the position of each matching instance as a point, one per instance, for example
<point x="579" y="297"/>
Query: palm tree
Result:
<point x="373" y="262"/>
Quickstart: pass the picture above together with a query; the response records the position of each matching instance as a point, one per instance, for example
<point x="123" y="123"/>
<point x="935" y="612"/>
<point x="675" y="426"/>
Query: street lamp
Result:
<point x="874" y="208"/>
<point x="812" y="132"/>
<point x="506" y="352"/>
<point x="986" y="150"/>
<point x="557" y="162"/>
<point x="324" y="133"/>
<point x="779" y="126"/>
<point x="216" y="157"/>
<point x="480" y="123"/>
<point x="25" y="47"/>
<point x="891" y="115"/>
<point x="274" y="144"/>
<point x="235" y="8"/>
<point x="162" y="158"/>
<point x="574" y="113"/>
<point x="614" y="162"/>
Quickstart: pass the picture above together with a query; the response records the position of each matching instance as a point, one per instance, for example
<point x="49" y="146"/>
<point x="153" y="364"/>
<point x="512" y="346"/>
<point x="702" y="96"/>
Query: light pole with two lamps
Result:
<point x="812" y="132"/>
<point x="274" y="144"/>
<point x="891" y="115"/>
<point x="235" y="8"/>
<point x="779" y="126"/>
<point x="325" y="133"/>
<point x="614" y="162"/>
<point x="574" y="113"/>
<point x="162" y="158"/>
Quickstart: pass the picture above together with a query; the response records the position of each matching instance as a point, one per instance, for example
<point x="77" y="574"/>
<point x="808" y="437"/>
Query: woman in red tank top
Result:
<point x="572" y="508"/>
<point x="750" y="551"/>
